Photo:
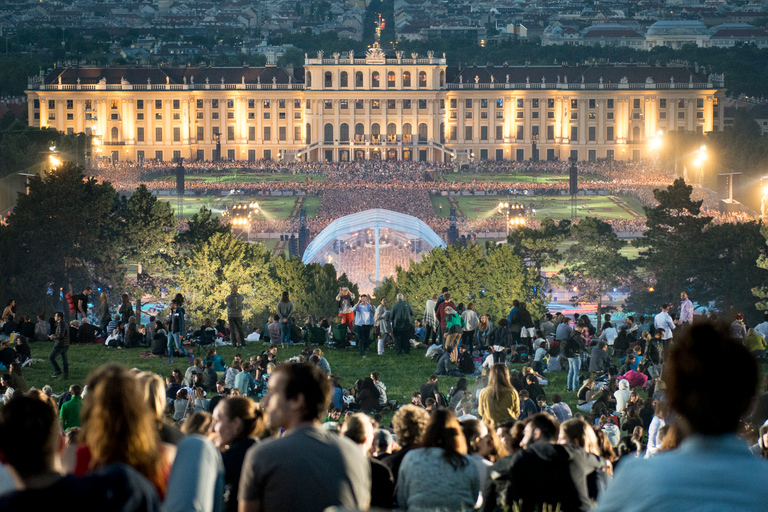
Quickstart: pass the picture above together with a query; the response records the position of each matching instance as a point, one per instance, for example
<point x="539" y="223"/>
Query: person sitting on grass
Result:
<point x="244" y="381"/>
<point x="218" y="362"/>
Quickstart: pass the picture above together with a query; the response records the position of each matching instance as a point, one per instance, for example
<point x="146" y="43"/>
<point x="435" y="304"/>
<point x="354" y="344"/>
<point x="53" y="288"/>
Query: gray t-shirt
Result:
<point x="234" y="302"/>
<point x="332" y="471"/>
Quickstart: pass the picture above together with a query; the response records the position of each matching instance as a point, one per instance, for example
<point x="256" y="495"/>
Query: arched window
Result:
<point x="423" y="132"/>
<point x="442" y="78"/>
<point x="328" y="79"/>
<point x="115" y="134"/>
<point x="391" y="129"/>
<point x="343" y="79"/>
<point x="359" y="79"/>
<point x="375" y="79"/>
<point x="422" y="79"/>
<point x="442" y="133"/>
<point x="328" y="132"/>
<point x="344" y="132"/>
<point x="406" y="79"/>
<point x="359" y="132"/>
<point x="375" y="129"/>
<point x="309" y="79"/>
<point x="391" y="79"/>
<point x="407" y="131"/>
<point x="636" y="134"/>
<point x="309" y="134"/>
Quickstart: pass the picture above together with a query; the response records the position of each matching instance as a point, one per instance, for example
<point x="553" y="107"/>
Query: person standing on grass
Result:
<point x="430" y="321"/>
<point x="176" y="327"/>
<point x="363" y="322"/>
<point x="382" y="326"/>
<point x="345" y="299"/>
<point x="402" y="325"/>
<point x="285" y="312"/>
<point x="126" y="309"/>
<point x="60" y="346"/>
<point x="470" y="320"/>
<point x="234" y="302"/>
<point x="81" y="303"/>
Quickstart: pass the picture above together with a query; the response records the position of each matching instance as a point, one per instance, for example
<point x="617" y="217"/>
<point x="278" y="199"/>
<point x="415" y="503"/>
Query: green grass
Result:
<point x="510" y="177"/>
<point x="437" y="202"/>
<point x="311" y="203"/>
<point x="277" y="207"/>
<point x="402" y="374"/>
<point x="557" y="207"/>
<point x="241" y="177"/>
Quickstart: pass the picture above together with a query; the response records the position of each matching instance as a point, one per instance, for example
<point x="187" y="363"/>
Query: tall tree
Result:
<point x="217" y="264"/>
<point x="61" y="237"/>
<point x="724" y="272"/>
<point x="492" y="277"/>
<point x="594" y="262"/>
<point x="539" y="246"/>
<point x="669" y="247"/>
<point x="201" y="227"/>
<point x="761" y="291"/>
<point x="148" y="230"/>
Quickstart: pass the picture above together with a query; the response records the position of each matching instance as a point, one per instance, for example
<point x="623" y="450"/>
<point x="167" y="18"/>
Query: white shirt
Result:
<point x="686" y="311"/>
<point x="762" y="329"/>
<point x="254" y="336"/>
<point x="609" y="335"/>
<point x="664" y="321"/>
<point x="470" y="320"/>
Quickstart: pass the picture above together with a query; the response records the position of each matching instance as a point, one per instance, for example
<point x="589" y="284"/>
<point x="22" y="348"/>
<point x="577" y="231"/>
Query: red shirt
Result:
<point x="440" y="313"/>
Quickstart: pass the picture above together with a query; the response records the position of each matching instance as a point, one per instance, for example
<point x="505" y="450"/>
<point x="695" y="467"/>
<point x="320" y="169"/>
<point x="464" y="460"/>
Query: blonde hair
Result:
<point x="118" y="426"/>
<point x="154" y="393"/>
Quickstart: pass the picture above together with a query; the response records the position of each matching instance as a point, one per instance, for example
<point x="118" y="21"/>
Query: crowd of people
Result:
<point x="406" y="187"/>
<point x="216" y="437"/>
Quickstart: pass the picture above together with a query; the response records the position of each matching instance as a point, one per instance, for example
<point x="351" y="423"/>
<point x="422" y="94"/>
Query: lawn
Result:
<point x="273" y="207"/>
<point x="242" y="177"/>
<point x="557" y="207"/>
<point x="402" y="374"/>
<point x="511" y="177"/>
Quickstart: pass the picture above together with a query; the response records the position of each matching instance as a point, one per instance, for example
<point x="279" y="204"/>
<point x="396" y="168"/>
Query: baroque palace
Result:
<point x="376" y="106"/>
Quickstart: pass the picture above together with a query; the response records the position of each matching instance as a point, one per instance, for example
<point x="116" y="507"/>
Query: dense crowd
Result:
<point x="235" y="437"/>
<point x="402" y="186"/>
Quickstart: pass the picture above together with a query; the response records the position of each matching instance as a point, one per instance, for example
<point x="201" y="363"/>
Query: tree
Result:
<point x="594" y="262"/>
<point x="217" y="264"/>
<point x="492" y="278"/>
<point x="313" y="287"/>
<point x="148" y="230"/>
<point x="724" y="273"/>
<point x="761" y="291"/>
<point x="61" y="237"/>
<point x="669" y="247"/>
<point x="202" y="226"/>
<point x="538" y="247"/>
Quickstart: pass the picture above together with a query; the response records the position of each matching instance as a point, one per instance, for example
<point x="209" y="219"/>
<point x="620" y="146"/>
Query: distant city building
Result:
<point x="671" y="34"/>
<point x="378" y="106"/>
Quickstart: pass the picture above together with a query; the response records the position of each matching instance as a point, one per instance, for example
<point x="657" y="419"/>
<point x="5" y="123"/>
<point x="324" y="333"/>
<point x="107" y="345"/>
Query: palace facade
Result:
<point x="377" y="107"/>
